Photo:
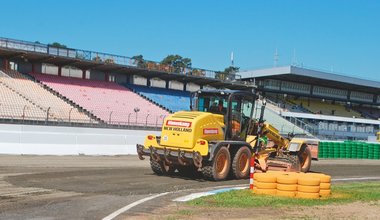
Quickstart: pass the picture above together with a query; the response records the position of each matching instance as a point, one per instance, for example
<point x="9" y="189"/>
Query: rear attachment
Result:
<point x="170" y="156"/>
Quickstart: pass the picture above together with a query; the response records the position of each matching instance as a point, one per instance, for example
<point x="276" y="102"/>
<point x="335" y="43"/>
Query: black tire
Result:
<point x="187" y="171"/>
<point x="156" y="167"/>
<point x="160" y="168"/>
<point x="305" y="159"/>
<point x="240" y="163"/>
<point x="295" y="163"/>
<point x="219" y="167"/>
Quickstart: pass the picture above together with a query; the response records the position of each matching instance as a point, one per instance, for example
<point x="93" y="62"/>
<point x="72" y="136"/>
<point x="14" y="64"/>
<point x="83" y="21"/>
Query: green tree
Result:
<point x="177" y="61"/>
<point x="58" y="45"/>
<point x="231" y="70"/>
<point x="139" y="61"/>
<point x="228" y="73"/>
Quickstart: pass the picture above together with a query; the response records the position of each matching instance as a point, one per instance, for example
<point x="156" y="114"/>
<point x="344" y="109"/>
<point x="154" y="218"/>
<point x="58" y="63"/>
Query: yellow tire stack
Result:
<point x="299" y="185"/>
<point x="308" y="187"/>
<point x="287" y="185"/>
<point x="325" y="185"/>
<point x="265" y="183"/>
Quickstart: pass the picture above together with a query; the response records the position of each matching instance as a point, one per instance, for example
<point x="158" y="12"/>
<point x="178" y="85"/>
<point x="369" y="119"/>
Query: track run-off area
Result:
<point x="118" y="187"/>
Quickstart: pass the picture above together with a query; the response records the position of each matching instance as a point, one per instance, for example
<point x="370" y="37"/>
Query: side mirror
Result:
<point x="264" y="101"/>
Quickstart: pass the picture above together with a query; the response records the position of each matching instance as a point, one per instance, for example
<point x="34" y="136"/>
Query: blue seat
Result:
<point x="174" y="100"/>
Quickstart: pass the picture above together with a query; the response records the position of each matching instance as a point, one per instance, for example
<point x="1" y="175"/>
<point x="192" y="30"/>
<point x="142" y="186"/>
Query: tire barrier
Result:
<point x="265" y="183"/>
<point x="289" y="184"/>
<point x="349" y="150"/>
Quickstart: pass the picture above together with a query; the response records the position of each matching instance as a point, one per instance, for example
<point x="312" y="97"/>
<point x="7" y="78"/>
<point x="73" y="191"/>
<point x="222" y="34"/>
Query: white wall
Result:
<point x="192" y="87"/>
<point x="49" y="69"/>
<point x="156" y="82"/>
<point x="208" y="87"/>
<point x="138" y="80"/>
<point x="72" y="72"/>
<point x="175" y="85"/>
<point x="66" y="71"/>
<point x="51" y="140"/>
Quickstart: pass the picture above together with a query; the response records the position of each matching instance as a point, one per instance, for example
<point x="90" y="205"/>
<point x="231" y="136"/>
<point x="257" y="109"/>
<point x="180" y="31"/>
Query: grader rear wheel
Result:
<point x="240" y="163"/>
<point x="160" y="168"/>
<point x="219" y="167"/>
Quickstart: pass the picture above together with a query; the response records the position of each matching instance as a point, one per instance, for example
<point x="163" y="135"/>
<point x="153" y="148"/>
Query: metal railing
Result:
<point x="30" y="114"/>
<point x="106" y="58"/>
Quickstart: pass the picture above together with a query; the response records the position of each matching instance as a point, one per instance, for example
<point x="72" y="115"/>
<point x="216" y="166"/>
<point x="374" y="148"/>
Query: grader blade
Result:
<point x="284" y="164"/>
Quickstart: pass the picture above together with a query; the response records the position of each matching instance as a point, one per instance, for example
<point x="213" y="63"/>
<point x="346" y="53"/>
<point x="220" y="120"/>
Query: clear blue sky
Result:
<point x="338" y="35"/>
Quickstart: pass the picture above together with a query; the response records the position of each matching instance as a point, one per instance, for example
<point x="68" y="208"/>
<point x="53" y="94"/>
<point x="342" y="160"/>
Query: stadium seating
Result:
<point x="14" y="106"/>
<point x="285" y="104"/>
<point x="372" y="113"/>
<point x="326" y="108"/>
<point x="22" y="98"/>
<point x="174" y="100"/>
<point x="280" y="123"/>
<point x="112" y="103"/>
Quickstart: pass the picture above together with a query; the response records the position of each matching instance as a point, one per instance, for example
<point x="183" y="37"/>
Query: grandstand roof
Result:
<point x="315" y="77"/>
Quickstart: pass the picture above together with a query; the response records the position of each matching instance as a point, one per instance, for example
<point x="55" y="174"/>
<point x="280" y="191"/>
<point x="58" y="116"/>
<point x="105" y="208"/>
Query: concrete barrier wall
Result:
<point x="51" y="140"/>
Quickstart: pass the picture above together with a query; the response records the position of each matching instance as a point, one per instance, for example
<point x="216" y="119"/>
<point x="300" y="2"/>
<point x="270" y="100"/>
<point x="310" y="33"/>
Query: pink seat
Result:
<point x="109" y="101"/>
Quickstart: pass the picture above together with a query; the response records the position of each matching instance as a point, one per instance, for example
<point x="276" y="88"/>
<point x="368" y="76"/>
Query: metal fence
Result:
<point x="106" y="58"/>
<point x="30" y="114"/>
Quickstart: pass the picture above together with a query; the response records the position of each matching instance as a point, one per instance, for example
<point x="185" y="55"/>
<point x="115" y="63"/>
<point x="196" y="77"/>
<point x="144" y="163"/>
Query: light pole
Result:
<point x="136" y="110"/>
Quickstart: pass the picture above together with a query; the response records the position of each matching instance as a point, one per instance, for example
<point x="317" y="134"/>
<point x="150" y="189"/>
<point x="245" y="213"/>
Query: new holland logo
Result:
<point x="184" y="124"/>
<point x="210" y="131"/>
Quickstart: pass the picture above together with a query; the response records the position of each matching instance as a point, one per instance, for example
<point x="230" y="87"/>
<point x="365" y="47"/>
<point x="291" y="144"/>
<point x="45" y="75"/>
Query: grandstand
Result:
<point x="109" y="90"/>
<point x="328" y="105"/>
<point x="112" y="103"/>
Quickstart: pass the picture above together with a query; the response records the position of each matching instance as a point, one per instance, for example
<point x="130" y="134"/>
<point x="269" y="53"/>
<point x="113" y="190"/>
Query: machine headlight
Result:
<point x="294" y="147"/>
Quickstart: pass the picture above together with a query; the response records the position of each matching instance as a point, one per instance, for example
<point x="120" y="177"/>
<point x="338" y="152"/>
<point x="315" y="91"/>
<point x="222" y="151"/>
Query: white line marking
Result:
<point x="126" y="208"/>
<point x="192" y="196"/>
<point x="357" y="178"/>
<point x="202" y="194"/>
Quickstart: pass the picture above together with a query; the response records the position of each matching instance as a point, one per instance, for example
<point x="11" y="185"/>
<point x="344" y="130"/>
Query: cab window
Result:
<point x="213" y="104"/>
<point x="241" y="110"/>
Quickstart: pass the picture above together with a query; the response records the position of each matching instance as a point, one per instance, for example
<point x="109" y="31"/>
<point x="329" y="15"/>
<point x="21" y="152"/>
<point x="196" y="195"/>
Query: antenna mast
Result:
<point x="294" y="59"/>
<point x="232" y="58"/>
<point x="275" y="58"/>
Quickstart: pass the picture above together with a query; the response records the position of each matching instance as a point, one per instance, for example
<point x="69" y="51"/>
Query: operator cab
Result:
<point x="236" y="107"/>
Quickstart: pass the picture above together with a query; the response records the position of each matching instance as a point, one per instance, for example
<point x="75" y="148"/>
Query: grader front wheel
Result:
<point x="219" y="167"/>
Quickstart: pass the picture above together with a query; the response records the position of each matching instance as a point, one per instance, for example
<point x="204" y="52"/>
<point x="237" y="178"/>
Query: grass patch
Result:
<point x="185" y="212"/>
<point x="341" y="193"/>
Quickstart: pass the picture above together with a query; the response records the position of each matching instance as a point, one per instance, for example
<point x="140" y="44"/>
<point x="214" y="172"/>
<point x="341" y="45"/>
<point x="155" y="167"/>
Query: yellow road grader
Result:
<point x="219" y="136"/>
